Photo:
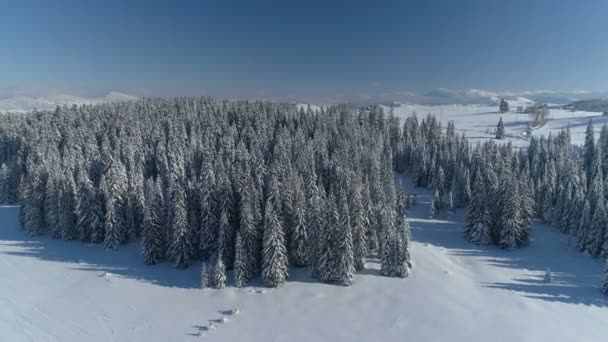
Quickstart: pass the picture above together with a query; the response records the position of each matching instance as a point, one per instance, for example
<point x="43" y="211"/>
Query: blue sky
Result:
<point x="301" y="48"/>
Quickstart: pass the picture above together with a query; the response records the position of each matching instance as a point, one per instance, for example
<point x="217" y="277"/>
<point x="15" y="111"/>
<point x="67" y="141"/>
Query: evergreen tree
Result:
<point x="240" y="262"/>
<point x="477" y="224"/>
<point x="359" y="225"/>
<point x="219" y="273"/>
<point x="299" y="234"/>
<point x="503" y="107"/>
<point x="584" y="226"/>
<point x="345" y="272"/>
<point x="589" y="150"/>
<point x="205" y="281"/>
<point x="152" y="246"/>
<point x="112" y="234"/>
<point x="605" y="280"/>
<point x="274" y="254"/>
<point x="500" y="130"/>
<point x="181" y="249"/>
<point x="511" y="220"/>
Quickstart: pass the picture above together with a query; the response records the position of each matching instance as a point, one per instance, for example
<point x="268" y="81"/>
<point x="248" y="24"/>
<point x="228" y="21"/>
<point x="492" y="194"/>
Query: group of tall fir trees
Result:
<point x="256" y="187"/>
<point x="252" y="187"/>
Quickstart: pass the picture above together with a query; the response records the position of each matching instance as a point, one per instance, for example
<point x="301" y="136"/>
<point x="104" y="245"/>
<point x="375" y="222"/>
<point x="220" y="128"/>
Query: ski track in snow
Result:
<point x="53" y="290"/>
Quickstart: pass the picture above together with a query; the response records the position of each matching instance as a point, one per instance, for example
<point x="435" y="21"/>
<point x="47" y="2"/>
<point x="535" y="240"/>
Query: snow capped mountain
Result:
<point x="23" y="104"/>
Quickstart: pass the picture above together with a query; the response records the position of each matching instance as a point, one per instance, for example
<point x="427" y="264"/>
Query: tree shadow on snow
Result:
<point x="125" y="262"/>
<point x="575" y="277"/>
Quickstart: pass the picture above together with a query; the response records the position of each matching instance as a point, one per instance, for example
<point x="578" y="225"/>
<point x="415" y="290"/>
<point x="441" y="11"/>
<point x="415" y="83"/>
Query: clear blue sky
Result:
<point x="313" y="48"/>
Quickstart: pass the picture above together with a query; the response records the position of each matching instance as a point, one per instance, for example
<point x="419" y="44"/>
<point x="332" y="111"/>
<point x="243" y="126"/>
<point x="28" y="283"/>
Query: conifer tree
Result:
<point x="205" y="281"/>
<point x="345" y="272"/>
<point x="152" y="246"/>
<point x="181" y="250"/>
<point x="112" y="235"/>
<point x="500" y="130"/>
<point x="299" y="234"/>
<point x="219" y="273"/>
<point x="589" y="150"/>
<point x="274" y="254"/>
<point x="604" y="288"/>
<point x="240" y="262"/>
<point x="510" y="221"/>
<point x="477" y="224"/>
<point x="359" y="224"/>
<point x="584" y="226"/>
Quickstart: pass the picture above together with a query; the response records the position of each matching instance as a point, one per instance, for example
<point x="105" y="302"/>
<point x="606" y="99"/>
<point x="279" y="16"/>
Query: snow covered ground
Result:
<point x="478" y="122"/>
<point x="66" y="291"/>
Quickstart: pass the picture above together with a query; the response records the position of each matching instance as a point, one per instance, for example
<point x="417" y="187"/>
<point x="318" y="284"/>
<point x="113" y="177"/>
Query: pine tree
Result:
<point x="112" y="235"/>
<point x="595" y="239"/>
<point x="219" y="273"/>
<point x="274" y="254"/>
<point x="359" y="224"/>
<point x="548" y="277"/>
<point x="503" y="107"/>
<point x="345" y="272"/>
<point x="500" y="130"/>
<point x="477" y="224"/>
<point x="240" y="262"/>
<point x="209" y="214"/>
<point x="181" y="249"/>
<point x="605" y="280"/>
<point x="67" y="211"/>
<point x="584" y="226"/>
<point x="299" y="234"/>
<point x="510" y="221"/>
<point x="589" y="150"/>
<point x="435" y="205"/>
<point x="205" y="281"/>
<point x="4" y="188"/>
<point x="152" y="247"/>
<point x="402" y="261"/>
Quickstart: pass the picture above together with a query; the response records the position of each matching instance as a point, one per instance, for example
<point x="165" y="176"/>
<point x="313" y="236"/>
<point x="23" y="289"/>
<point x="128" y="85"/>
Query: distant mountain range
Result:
<point x="23" y="104"/>
<point x="445" y="96"/>
<point x="593" y="105"/>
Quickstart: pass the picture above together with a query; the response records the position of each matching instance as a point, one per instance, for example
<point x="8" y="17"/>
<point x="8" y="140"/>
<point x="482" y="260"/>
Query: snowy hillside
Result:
<point x="67" y="291"/>
<point x="24" y="104"/>
<point x="479" y="121"/>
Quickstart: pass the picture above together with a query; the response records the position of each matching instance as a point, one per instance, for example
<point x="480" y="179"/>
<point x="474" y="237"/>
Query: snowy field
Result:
<point x="66" y="291"/>
<point x="477" y="120"/>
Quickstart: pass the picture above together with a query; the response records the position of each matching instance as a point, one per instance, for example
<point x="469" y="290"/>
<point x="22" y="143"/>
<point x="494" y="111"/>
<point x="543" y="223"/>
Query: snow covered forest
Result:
<point x="248" y="186"/>
<point x="256" y="186"/>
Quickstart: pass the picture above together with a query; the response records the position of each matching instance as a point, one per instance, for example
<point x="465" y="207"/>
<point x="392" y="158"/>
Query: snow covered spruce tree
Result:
<point x="604" y="287"/>
<point x="274" y="253"/>
<point x="503" y="106"/>
<point x="180" y="249"/>
<point x="500" y="130"/>
<point x="477" y="224"/>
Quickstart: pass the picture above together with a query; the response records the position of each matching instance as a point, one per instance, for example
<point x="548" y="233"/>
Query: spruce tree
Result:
<point x="219" y="273"/>
<point x="500" y="130"/>
<point x="152" y="247"/>
<point x="589" y="150"/>
<point x="510" y="222"/>
<point x="359" y="224"/>
<point x="240" y="262"/>
<point x="604" y="288"/>
<point x="345" y="265"/>
<point x="112" y="234"/>
<point x="274" y="253"/>
<point x="299" y="231"/>
<point x="477" y="223"/>
<point x="181" y="250"/>
<point x="584" y="226"/>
